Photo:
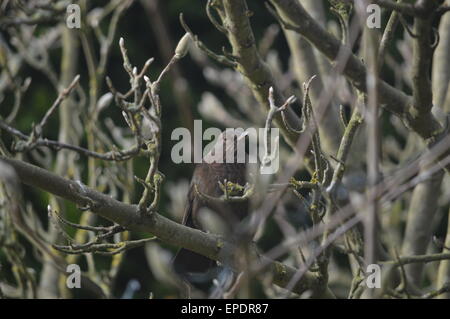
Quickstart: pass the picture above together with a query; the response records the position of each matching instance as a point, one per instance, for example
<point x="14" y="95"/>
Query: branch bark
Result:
<point x="391" y="99"/>
<point x="444" y="266"/>
<point x="306" y="66"/>
<point x="424" y="202"/>
<point x="65" y="160"/>
<point x="234" y="14"/>
<point x="423" y="207"/>
<point x="170" y="232"/>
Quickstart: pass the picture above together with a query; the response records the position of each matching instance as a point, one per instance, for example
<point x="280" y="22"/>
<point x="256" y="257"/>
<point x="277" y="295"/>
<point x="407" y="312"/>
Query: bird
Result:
<point x="214" y="170"/>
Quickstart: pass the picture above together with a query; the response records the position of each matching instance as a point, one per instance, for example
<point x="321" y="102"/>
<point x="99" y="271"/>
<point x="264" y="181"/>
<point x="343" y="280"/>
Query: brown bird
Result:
<point x="194" y="268"/>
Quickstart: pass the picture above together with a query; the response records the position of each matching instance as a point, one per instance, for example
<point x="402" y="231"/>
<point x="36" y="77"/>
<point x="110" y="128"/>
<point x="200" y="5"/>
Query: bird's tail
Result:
<point x="196" y="269"/>
<point x="222" y="284"/>
<point x="203" y="273"/>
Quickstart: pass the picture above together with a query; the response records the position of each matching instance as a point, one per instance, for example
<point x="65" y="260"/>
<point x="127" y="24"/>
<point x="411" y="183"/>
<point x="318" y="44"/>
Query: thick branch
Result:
<point x="405" y="8"/>
<point x="423" y="207"/>
<point x="441" y="67"/>
<point x="417" y="259"/>
<point x="422" y="55"/>
<point x="250" y="64"/>
<point x="395" y="101"/>
<point x="166" y="230"/>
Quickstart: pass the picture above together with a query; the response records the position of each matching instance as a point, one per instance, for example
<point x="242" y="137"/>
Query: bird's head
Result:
<point x="228" y="148"/>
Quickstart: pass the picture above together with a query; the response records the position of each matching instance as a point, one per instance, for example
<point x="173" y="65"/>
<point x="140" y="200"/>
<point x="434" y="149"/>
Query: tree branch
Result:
<point x="235" y="15"/>
<point x="393" y="100"/>
<point x="170" y="232"/>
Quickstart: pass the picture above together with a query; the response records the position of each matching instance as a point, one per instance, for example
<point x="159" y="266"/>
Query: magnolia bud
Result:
<point x="104" y="101"/>
<point x="125" y="116"/>
<point x="183" y="46"/>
